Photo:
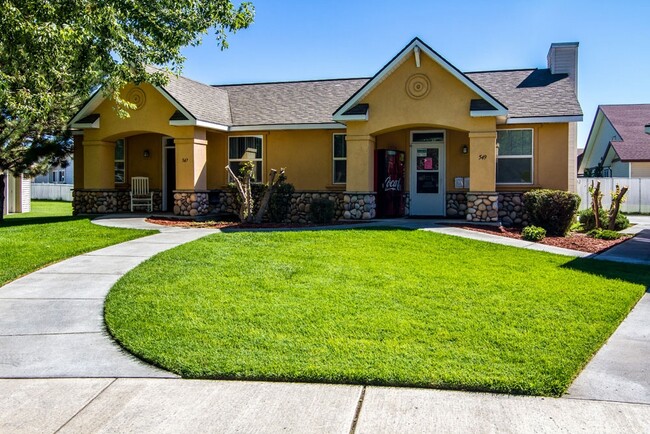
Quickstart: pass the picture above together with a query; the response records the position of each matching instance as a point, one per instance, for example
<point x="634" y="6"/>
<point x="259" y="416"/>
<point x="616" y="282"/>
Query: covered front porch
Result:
<point x="446" y="171"/>
<point x="175" y="168"/>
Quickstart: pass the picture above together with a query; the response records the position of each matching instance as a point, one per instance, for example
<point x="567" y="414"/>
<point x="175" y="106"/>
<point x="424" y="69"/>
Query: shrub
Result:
<point x="621" y="223"/>
<point x="280" y="203"/>
<point x="604" y="234"/>
<point x="587" y="220"/>
<point x="533" y="233"/>
<point x="553" y="210"/>
<point x="257" y="191"/>
<point x="321" y="210"/>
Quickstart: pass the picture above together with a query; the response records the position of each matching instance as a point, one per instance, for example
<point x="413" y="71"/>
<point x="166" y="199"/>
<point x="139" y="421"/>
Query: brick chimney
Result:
<point x="562" y="58"/>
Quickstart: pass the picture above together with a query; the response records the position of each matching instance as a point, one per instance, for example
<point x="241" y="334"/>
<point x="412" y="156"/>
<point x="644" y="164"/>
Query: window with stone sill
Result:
<point x="515" y="156"/>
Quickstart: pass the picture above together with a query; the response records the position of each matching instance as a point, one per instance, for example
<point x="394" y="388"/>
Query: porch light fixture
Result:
<point x="465" y="149"/>
<point x="146" y="153"/>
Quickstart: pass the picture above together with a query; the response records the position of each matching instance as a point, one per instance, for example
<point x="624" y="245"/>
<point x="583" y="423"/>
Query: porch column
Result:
<point x="191" y="196"/>
<point x="99" y="165"/>
<point x="360" y="192"/>
<point x="482" y="199"/>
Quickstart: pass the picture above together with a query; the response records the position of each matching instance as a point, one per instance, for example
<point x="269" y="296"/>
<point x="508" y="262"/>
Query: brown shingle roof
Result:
<point x="204" y="102"/>
<point x="629" y="121"/>
<point x="299" y="102"/>
<point x="530" y="92"/>
<point x="526" y="93"/>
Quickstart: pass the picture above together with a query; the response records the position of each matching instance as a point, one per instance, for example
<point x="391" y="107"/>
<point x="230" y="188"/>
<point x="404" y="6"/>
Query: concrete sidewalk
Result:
<point x="633" y="251"/>
<point x="51" y="321"/>
<point x="168" y="405"/>
<point x="620" y="371"/>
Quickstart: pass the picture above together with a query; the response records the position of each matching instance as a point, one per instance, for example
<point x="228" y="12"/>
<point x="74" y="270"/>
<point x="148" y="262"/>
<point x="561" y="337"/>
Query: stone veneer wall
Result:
<point x="456" y="204"/>
<point x="191" y="203"/>
<point x="360" y="206"/>
<point x="510" y="208"/>
<point x="482" y="207"/>
<point x="346" y="205"/>
<point x="108" y="201"/>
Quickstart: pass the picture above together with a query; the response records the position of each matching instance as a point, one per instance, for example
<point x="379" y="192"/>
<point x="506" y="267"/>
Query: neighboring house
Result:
<point x="470" y="143"/>
<point x="618" y="145"/>
<point x="581" y="154"/>
<point x="58" y="175"/>
<point x="17" y="194"/>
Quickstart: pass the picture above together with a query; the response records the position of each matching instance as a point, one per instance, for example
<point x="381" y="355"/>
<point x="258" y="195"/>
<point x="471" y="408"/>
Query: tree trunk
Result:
<point x="244" y="190"/>
<point x="595" y="204"/>
<point x="264" y="204"/>
<point x="616" y="204"/>
<point x="3" y="178"/>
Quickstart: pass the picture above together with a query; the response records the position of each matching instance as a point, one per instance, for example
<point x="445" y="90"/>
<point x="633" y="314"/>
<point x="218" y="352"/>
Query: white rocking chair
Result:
<point x="140" y="194"/>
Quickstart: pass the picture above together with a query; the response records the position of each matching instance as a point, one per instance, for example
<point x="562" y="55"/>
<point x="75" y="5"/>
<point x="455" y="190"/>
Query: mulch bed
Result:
<point x="209" y="224"/>
<point x="574" y="240"/>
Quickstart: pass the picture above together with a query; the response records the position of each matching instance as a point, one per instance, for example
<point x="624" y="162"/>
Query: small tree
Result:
<point x="596" y="202"/>
<point x="618" y="197"/>
<point x="244" y="189"/>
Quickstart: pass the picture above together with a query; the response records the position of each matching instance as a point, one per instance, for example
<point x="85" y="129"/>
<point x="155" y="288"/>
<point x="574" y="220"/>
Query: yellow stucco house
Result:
<point x="470" y="143"/>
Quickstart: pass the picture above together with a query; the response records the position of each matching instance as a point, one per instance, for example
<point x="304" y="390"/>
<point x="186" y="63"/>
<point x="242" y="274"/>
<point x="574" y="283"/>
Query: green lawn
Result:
<point x="389" y="307"/>
<point x="49" y="234"/>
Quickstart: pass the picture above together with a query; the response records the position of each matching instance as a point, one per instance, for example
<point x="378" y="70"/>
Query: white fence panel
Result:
<point x="52" y="191"/>
<point x="637" y="199"/>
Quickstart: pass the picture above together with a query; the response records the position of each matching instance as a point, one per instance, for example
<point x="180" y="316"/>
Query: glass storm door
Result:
<point x="427" y="189"/>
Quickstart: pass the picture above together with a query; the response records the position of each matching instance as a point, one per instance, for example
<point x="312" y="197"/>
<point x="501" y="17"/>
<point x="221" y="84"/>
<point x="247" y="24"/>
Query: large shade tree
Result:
<point x="54" y="53"/>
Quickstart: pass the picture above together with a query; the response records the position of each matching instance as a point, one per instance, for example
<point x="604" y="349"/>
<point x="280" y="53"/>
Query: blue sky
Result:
<point x="304" y="40"/>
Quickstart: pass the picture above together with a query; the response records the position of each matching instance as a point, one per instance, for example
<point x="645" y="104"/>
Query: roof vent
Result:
<point x="562" y="58"/>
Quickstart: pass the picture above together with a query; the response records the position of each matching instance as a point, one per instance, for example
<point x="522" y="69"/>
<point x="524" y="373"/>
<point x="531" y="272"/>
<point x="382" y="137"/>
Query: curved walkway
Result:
<point x="52" y="322"/>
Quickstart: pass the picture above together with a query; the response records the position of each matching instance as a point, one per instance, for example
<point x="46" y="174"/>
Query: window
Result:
<point x="515" y="157"/>
<point x="340" y="163"/>
<point x="428" y="137"/>
<point x="62" y="176"/>
<point x="120" y="166"/>
<point x="245" y="148"/>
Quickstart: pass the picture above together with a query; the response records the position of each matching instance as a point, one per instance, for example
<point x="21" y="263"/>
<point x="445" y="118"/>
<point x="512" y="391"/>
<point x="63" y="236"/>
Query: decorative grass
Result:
<point x="389" y="307"/>
<point x="48" y="234"/>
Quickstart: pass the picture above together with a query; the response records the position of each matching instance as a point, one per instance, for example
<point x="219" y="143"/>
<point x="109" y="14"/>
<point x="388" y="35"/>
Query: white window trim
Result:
<point x="335" y="158"/>
<point x="117" y="161"/>
<point x="531" y="156"/>
<point x="261" y="137"/>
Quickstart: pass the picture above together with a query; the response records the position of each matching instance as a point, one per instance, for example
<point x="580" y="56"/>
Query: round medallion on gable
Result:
<point x="136" y="97"/>
<point x="418" y="86"/>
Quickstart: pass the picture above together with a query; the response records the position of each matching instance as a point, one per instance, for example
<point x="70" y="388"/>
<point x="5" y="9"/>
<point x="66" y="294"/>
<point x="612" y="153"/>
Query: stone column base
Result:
<point x="482" y="207"/>
<point x="191" y="203"/>
<point x="359" y="205"/>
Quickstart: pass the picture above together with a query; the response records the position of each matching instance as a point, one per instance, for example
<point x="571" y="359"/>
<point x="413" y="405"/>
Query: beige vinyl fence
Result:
<point x="637" y="197"/>
<point x="52" y="191"/>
